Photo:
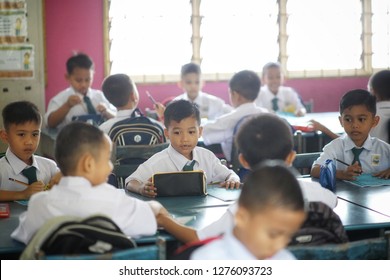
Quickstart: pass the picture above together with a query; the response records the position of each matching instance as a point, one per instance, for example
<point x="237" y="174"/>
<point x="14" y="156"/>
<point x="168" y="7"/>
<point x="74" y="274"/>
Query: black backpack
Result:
<point x="322" y="226"/>
<point x="67" y="235"/>
<point x="137" y="130"/>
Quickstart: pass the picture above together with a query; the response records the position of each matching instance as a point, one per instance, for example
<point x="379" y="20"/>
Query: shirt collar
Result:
<point x="81" y="95"/>
<point x="349" y="144"/>
<point x="198" y="99"/>
<point x="17" y="164"/>
<point x="179" y="160"/>
<point x="69" y="181"/>
<point x="236" y="247"/>
<point x="124" y="113"/>
<point x="246" y="106"/>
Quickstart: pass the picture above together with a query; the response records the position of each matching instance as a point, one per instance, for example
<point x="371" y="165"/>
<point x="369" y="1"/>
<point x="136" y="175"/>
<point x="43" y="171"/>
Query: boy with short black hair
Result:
<point x="83" y="154"/>
<point x="356" y="147"/>
<point x="182" y="122"/>
<point x="244" y="87"/>
<point x="270" y="210"/>
<point x="22" y="173"/>
<point x="79" y="98"/>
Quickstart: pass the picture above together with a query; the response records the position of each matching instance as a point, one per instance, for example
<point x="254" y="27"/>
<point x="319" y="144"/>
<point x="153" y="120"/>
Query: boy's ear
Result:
<point x="243" y="161"/>
<point x="376" y="121"/>
<point x="66" y="77"/>
<point x="341" y="121"/>
<point x="242" y="217"/>
<point x="4" y="136"/>
<point x="180" y="84"/>
<point x="86" y="163"/>
<point x="290" y="158"/>
<point x="166" y="133"/>
<point x="200" y="131"/>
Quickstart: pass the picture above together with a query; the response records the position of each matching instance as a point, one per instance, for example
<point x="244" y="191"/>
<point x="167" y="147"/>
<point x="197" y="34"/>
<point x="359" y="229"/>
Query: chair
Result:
<point x="128" y="158"/>
<point x="303" y="162"/>
<point x="309" y="105"/>
<point x="366" y="249"/>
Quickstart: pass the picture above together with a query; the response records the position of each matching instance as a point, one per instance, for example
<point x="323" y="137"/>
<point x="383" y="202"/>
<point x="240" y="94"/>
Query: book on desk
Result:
<point x="367" y="180"/>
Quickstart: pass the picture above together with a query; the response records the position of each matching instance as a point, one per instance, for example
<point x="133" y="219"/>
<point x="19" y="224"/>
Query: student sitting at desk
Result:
<point x="244" y="87"/>
<point x="182" y="122"/>
<point x="275" y="97"/>
<point x="270" y="210"/>
<point x="79" y="98"/>
<point x="83" y="154"/>
<point x="356" y="151"/>
<point x="22" y="173"/>
<point x="120" y="91"/>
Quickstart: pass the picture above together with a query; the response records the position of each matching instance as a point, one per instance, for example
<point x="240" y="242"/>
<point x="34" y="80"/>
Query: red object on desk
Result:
<point x="4" y="210"/>
<point x="303" y="128"/>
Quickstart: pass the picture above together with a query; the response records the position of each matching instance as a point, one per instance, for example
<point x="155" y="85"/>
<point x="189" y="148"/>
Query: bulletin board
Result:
<point x="16" y="55"/>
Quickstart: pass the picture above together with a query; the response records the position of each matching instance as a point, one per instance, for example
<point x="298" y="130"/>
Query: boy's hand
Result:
<point x="385" y="174"/>
<point x="352" y="172"/>
<point x="160" y="109"/>
<point x="101" y="108"/>
<point x="54" y="180"/>
<point x="38" y="186"/>
<point x="231" y="184"/>
<point x="148" y="189"/>
<point x="73" y="100"/>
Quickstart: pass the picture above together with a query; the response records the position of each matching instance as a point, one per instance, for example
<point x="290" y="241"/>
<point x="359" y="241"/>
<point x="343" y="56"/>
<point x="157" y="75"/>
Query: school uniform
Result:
<point x="287" y="99"/>
<point x="61" y="98"/>
<point x="221" y="130"/>
<point x="210" y="106"/>
<point x="228" y="247"/>
<point x="375" y="156"/>
<point x="311" y="191"/>
<point x="75" y="196"/>
<point x="11" y="167"/>
<point x="169" y="160"/>
<point x="381" y="131"/>
<point x="120" y="115"/>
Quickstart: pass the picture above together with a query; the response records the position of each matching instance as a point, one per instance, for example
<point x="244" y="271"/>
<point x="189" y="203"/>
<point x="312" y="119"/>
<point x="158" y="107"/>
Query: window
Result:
<point x="151" y="39"/>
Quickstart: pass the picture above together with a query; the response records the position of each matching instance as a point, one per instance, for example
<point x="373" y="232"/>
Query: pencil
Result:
<point x="342" y="162"/>
<point x="17" y="181"/>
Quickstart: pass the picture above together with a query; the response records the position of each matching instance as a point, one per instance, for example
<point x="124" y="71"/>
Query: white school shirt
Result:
<point x="11" y="167"/>
<point x="169" y="160"/>
<point x="210" y="106"/>
<point x="311" y="191"/>
<point x="57" y="101"/>
<point x="383" y="111"/>
<point x="75" y="196"/>
<point x="120" y="115"/>
<point x="221" y="130"/>
<point x="374" y="158"/>
<point x="230" y="248"/>
<point x="288" y="99"/>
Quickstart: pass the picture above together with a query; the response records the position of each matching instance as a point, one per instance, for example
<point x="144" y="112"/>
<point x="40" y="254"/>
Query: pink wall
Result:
<point x="75" y="25"/>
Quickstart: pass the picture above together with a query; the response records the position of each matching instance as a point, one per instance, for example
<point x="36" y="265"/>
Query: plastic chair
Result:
<point x="303" y="162"/>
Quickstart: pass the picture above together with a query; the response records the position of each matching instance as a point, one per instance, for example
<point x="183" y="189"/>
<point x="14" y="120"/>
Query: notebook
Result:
<point x="224" y="194"/>
<point x="367" y="180"/>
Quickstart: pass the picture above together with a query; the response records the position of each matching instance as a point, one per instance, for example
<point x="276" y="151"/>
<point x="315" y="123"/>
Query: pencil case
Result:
<point x="182" y="183"/>
<point x="328" y="175"/>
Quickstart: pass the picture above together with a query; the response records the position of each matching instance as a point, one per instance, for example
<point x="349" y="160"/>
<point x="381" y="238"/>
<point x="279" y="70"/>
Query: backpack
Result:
<point x="137" y="130"/>
<point x="68" y="235"/>
<point x="322" y="226"/>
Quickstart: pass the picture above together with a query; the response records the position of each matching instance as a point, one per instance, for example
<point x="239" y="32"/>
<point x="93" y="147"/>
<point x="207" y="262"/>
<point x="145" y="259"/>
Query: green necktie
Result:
<point x="91" y="109"/>
<point x="275" y="106"/>
<point x="356" y="153"/>
<point x="31" y="174"/>
<point x="189" y="166"/>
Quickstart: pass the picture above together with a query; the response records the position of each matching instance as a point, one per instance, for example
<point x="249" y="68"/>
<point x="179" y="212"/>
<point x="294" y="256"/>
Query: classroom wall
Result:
<point x="75" y="25"/>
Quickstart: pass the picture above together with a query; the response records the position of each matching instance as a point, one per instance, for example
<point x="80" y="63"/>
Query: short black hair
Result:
<point x="117" y="89"/>
<point x="190" y="68"/>
<point x="271" y="184"/>
<point x="79" y="60"/>
<point x="180" y="109"/>
<point x="358" y="97"/>
<point x="269" y="65"/>
<point x="264" y="137"/>
<point x="20" y="112"/>
<point x="246" y="83"/>
<point x="74" y="140"/>
<point x="380" y="84"/>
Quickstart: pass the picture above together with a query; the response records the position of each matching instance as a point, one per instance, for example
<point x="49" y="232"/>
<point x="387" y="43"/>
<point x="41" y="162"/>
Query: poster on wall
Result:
<point x="17" y="61"/>
<point x="13" y="21"/>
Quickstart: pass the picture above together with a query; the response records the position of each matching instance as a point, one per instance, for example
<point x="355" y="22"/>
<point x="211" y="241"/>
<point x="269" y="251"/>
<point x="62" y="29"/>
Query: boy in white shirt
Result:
<point x="182" y="122"/>
<point x="274" y="96"/>
<point x="270" y="210"/>
<point x="243" y="89"/>
<point x="83" y="154"/>
<point x="22" y="173"/>
<point x="79" y="98"/>
<point x="362" y="153"/>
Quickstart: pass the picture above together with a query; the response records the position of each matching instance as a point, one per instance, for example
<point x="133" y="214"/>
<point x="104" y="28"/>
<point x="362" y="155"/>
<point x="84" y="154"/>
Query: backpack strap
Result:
<point x="184" y="252"/>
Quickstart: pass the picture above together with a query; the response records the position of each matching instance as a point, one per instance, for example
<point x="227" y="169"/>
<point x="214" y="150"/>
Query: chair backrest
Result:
<point x="94" y="119"/>
<point x="366" y="249"/>
<point x="128" y="158"/>
<point x="303" y="162"/>
<point x="388" y="131"/>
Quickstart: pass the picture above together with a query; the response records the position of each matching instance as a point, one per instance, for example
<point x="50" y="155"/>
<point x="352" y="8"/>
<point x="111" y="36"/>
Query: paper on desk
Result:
<point x="184" y="219"/>
<point x="367" y="180"/>
<point x="22" y="202"/>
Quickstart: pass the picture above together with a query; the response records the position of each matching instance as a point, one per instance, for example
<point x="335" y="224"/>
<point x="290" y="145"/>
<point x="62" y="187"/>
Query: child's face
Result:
<point x="191" y="83"/>
<point x="103" y="164"/>
<point x="80" y="79"/>
<point x="23" y="139"/>
<point x="357" y="122"/>
<point x="184" y="135"/>
<point x="265" y="233"/>
<point x="273" y="79"/>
